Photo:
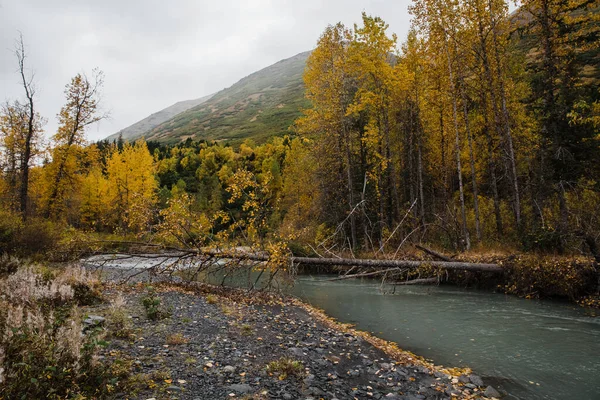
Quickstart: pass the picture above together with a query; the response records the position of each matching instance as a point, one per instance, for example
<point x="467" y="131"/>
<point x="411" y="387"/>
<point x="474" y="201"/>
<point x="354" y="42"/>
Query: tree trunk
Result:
<point x="465" y="231"/>
<point x="472" y="159"/>
<point x="371" y="263"/>
<point x="506" y="118"/>
<point x="29" y="93"/>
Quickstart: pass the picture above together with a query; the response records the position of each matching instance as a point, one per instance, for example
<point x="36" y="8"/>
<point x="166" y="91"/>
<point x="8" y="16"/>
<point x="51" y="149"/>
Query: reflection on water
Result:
<point x="532" y="349"/>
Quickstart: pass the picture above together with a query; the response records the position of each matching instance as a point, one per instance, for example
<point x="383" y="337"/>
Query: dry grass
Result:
<point x="42" y="348"/>
<point x="177" y="339"/>
<point x="211" y="299"/>
<point x="119" y="324"/>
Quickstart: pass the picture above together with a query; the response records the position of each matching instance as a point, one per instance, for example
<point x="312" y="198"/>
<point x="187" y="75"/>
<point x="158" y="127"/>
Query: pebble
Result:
<point x="94" y="320"/>
<point x="229" y="369"/>
<point x="220" y="360"/>
<point x="240" y="388"/>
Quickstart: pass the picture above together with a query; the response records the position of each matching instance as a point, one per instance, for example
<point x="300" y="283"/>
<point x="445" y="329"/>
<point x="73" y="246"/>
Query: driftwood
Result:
<point x="370" y="263"/>
<point x="433" y="253"/>
<point x="425" y="281"/>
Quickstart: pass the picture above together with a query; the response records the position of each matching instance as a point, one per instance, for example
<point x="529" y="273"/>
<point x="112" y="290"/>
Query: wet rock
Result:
<point x="491" y="392"/>
<point x="476" y="380"/>
<point x="385" y="366"/>
<point x="174" y="388"/>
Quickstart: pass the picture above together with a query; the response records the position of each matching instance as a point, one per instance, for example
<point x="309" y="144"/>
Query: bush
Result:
<point x="43" y="352"/>
<point x="31" y="238"/>
<point x="550" y="276"/>
<point x="8" y="265"/>
<point x="153" y="305"/>
<point x="10" y="226"/>
<point x="118" y="322"/>
<point x="285" y="367"/>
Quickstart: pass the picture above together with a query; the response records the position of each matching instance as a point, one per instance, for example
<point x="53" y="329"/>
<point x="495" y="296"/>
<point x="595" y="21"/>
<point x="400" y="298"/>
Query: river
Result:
<point x="531" y="349"/>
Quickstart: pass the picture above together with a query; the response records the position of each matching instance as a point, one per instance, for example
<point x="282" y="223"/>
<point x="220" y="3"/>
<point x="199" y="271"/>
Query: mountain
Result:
<point x="258" y="106"/>
<point x="138" y="129"/>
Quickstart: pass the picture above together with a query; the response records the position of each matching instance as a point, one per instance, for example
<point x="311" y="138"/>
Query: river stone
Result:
<point x="296" y="351"/>
<point x="464" y="379"/>
<point x="94" y="320"/>
<point x="491" y="392"/>
<point x="476" y="380"/>
<point x="240" y="387"/>
<point x="229" y="369"/>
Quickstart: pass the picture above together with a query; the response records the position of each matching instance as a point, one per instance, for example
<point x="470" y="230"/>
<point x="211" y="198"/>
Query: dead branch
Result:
<point x="385" y="271"/>
<point x="433" y="253"/>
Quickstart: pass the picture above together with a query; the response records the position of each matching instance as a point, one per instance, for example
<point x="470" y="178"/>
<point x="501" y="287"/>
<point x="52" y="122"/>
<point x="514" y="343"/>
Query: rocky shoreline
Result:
<point x="217" y="343"/>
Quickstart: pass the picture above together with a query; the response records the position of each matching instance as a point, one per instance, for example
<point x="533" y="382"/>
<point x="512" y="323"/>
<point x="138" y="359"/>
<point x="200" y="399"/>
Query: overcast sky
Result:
<point x="155" y="53"/>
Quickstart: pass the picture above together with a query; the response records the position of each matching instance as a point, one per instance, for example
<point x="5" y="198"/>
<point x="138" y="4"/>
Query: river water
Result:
<point x="531" y="349"/>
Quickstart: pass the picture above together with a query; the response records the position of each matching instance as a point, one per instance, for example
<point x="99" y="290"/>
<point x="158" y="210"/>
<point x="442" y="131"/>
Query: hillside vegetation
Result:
<point x="262" y="105"/>
<point x="141" y="127"/>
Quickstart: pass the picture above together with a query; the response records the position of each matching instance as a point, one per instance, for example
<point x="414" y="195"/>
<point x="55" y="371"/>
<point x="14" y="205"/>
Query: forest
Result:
<point x="479" y="133"/>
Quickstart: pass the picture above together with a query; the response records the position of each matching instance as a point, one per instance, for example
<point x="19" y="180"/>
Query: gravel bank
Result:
<point x="219" y="345"/>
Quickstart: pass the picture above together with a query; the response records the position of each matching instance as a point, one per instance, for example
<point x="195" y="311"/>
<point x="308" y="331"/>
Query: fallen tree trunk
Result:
<point x="370" y="263"/>
<point x="238" y="255"/>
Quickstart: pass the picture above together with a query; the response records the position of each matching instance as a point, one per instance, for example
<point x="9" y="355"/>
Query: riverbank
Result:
<point x="225" y="343"/>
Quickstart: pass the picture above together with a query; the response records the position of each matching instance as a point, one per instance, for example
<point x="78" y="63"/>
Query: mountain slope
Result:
<point x="259" y="106"/>
<point x="138" y="129"/>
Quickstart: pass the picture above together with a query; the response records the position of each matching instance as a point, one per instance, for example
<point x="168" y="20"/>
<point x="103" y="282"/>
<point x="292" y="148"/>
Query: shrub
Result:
<point x="285" y="367"/>
<point x="10" y="226"/>
<point x="8" y="265"/>
<point x="43" y="352"/>
<point x="246" y="330"/>
<point x="34" y="237"/>
<point x="118" y="323"/>
<point x="550" y="276"/>
<point x="211" y="299"/>
<point x="37" y="237"/>
<point x="153" y="305"/>
<point x="42" y="285"/>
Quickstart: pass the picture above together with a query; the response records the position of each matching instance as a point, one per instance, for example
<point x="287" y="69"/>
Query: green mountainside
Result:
<point x="138" y="129"/>
<point x="259" y="106"/>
